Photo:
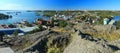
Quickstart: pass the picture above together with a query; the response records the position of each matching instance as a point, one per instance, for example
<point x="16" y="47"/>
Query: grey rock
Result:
<point x="117" y="51"/>
<point x="79" y="45"/>
<point x="115" y="43"/>
<point x="105" y="28"/>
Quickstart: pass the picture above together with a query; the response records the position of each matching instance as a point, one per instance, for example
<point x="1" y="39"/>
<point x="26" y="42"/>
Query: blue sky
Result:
<point x="59" y="4"/>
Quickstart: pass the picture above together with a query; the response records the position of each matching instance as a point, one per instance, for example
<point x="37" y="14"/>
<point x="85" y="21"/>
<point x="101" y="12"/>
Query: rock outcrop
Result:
<point x="105" y="28"/>
<point x="52" y="38"/>
<point x="115" y="44"/>
<point x="83" y="27"/>
<point x="87" y="44"/>
<point x="117" y="51"/>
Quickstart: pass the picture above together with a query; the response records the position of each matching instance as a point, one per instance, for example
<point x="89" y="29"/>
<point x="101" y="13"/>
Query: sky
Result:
<point x="59" y="4"/>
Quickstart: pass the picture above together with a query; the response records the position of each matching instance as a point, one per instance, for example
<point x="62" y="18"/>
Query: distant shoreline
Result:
<point x="60" y="10"/>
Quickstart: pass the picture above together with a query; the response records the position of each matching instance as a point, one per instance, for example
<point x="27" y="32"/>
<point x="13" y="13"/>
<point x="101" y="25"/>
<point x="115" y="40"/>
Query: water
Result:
<point x="23" y="15"/>
<point x="116" y="18"/>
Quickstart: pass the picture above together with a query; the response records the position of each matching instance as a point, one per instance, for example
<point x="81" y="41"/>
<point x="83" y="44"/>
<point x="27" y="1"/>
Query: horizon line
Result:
<point x="61" y="10"/>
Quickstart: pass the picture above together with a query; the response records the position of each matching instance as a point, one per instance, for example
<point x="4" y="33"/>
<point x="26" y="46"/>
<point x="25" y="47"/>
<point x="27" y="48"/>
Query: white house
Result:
<point x="106" y="20"/>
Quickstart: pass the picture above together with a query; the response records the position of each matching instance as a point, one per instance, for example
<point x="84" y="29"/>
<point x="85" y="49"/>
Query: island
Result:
<point x="4" y="16"/>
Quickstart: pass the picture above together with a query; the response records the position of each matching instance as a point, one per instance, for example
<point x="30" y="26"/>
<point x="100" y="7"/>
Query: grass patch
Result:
<point x="53" y="50"/>
<point x="107" y="36"/>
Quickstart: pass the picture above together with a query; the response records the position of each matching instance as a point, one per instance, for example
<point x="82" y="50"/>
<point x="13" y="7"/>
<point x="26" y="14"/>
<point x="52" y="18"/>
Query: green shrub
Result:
<point x="28" y="24"/>
<point x="62" y="24"/>
<point x="118" y="24"/>
<point x="53" y="50"/>
<point x="15" y="33"/>
<point x="40" y="27"/>
<point x="33" y="31"/>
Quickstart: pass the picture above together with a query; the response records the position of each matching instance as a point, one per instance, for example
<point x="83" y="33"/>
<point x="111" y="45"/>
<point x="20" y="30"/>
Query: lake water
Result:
<point x="21" y="15"/>
<point x="116" y="18"/>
